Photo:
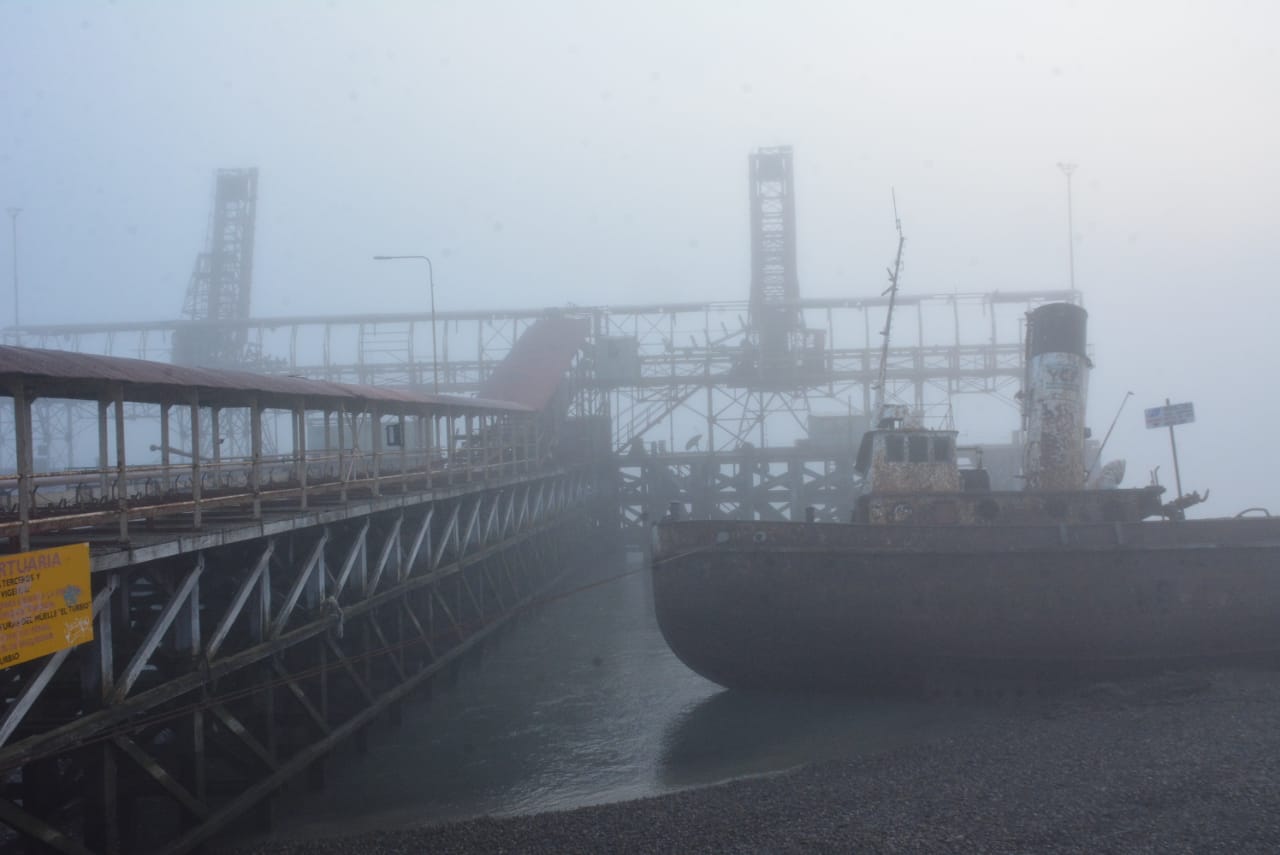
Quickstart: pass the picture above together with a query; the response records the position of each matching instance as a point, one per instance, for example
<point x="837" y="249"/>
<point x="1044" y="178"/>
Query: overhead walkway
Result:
<point x="252" y="611"/>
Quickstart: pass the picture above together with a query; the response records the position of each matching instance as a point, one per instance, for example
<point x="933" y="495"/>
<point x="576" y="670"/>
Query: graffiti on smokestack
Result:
<point x="1055" y="398"/>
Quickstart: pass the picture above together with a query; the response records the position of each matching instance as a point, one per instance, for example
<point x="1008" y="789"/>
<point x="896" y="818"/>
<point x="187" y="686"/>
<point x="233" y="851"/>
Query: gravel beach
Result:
<point x="1186" y="762"/>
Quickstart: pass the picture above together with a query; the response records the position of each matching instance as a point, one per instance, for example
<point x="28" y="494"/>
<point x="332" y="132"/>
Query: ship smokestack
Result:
<point x="1054" y="398"/>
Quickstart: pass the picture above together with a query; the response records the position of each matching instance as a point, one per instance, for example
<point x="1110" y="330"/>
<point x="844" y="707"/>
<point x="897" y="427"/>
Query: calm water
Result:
<point x="582" y="703"/>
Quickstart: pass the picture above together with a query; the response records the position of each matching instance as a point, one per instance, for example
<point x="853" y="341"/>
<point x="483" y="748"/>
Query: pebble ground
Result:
<point x="1185" y="762"/>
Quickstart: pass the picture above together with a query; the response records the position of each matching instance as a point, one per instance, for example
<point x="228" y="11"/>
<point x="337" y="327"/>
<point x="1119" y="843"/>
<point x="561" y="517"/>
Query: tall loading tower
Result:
<point x="218" y="294"/>
<point x="216" y="308"/>
<point x="777" y="333"/>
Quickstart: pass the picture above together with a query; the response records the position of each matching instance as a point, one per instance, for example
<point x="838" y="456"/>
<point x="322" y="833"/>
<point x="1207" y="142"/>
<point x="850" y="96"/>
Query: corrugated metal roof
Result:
<point x="81" y="375"/>
<point x="532" y="371"/>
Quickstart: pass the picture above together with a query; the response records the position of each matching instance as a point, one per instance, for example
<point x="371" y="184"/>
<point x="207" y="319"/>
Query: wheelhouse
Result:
<point x="900" y="460"/>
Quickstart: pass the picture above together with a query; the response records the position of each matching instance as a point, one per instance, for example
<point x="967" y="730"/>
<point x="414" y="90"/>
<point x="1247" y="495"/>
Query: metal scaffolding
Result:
<point x="649" y="360"/>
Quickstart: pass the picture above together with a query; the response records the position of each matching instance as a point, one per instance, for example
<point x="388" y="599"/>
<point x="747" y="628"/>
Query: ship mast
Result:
<point x="892" y="291"/>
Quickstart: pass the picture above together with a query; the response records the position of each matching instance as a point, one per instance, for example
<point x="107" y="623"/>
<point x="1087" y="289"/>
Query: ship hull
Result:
<point x="882" y="608"/>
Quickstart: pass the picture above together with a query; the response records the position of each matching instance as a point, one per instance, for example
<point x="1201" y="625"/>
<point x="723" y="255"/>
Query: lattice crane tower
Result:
<point x="776" y="321"/>
<point x="218" y="294"/>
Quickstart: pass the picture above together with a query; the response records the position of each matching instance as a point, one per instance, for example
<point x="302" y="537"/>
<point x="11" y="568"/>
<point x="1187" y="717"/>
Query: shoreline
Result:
<point x="1187" y="761"/>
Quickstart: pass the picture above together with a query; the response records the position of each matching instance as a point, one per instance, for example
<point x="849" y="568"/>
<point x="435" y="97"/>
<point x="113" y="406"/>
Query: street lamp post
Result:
<point x="1067" y="170"/>
<point x="431" y="281"/>
<point x="13" y="217"/>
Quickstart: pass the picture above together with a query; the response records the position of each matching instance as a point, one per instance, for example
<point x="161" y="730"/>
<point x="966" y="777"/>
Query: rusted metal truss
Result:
<point x="768" y="484"/>
<point x="216" y="676"/>
<point x="688" y="356"/>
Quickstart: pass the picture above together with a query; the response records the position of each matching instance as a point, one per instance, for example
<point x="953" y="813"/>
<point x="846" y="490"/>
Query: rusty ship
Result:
<point x="937" y="576"/>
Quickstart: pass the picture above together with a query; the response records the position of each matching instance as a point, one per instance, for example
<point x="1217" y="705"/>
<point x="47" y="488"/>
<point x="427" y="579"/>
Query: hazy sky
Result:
<point x="554" y="152"/>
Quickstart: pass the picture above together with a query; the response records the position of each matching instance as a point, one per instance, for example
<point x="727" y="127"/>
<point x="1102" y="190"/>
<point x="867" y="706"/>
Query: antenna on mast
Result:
<point x="892" y="291"/>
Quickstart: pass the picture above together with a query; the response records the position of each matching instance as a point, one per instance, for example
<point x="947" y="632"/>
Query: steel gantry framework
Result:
<point x="713" y="377"/>
<point x="672" y="378"/>
<point x="649" y="360"/>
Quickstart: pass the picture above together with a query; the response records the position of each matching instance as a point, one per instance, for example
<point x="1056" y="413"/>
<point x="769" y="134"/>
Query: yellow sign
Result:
<point x="46" y="603"/>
